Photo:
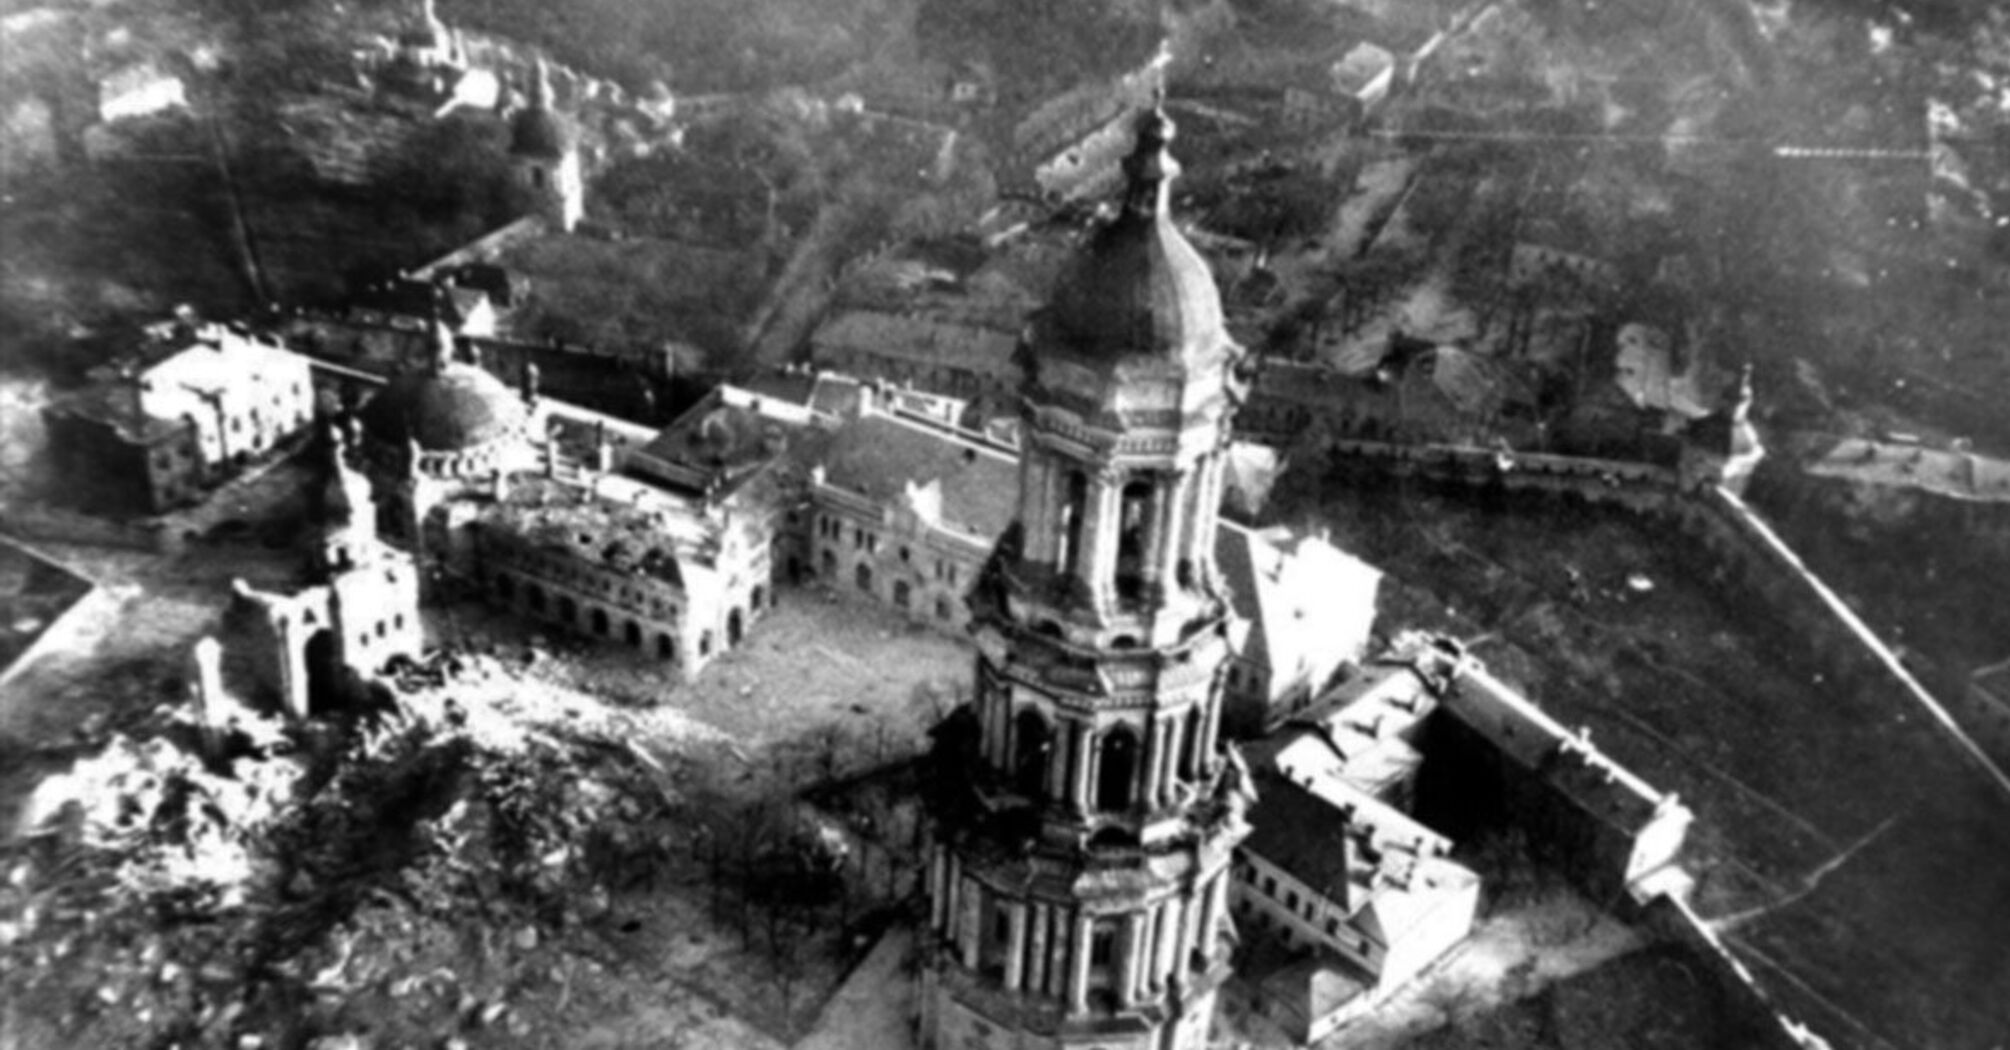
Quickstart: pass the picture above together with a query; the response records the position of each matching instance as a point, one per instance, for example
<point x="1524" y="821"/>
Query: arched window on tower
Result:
<point x="1074" y="503"/>
<point x="1117" y="765"/>
<point x="1133" y="526"/>
<point x="1033" y="744"/>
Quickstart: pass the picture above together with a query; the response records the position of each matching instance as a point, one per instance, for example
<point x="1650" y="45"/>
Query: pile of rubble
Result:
<point x="281" y="884"/>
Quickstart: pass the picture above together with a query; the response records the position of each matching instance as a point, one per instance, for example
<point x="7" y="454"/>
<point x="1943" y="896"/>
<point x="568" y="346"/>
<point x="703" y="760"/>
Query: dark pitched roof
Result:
<point x="1303" y="834"/>
<point x="719" y="437"/>
<point x="879" y="456"/>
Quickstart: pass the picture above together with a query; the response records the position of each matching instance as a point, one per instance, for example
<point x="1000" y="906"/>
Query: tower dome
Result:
<point x="448" y="406"/>
<point x="538" y="131"/>
<point x="1138" y="292"/>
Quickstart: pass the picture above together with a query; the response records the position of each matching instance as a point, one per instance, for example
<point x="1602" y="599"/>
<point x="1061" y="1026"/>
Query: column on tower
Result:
<point x="1078" y="962"/>
<point x="968" y="920"/>
<point x="1015" y="944"/>
<point x="1205" y="757"/>
<point x="1157" y="563"/>
<point x="1172" y="916"/>
<point x="938" y="889"/>
<point x="1058" y="949"/>
<point x="1176" y="522"/>
<point x="1036" y="478"/>
<point x="1036" y="949"/>
<point x="1209" y="918"/>
<point x="1054" y="779"/>
<point x="1145" y="788"/>
<point x="1175" y="741"/>
<point x="1085" y="759"/>
<point x="995" y="708"/>
<point x="1130" y="975"/>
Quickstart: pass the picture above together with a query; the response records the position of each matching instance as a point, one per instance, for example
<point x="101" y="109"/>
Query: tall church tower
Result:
<point x="544" y="152"/>
<point x="1086" y="813"/>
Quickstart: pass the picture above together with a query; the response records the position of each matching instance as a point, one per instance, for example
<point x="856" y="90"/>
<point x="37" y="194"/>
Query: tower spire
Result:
<point x="540" y="85"/>
<point x="1150" y="167"/>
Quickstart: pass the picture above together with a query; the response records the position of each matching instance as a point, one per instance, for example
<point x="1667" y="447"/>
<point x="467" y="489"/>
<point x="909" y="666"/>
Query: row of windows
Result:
<point x="1308" y="908"/>
<point x="903" y="591"/>
<point x="830" y="528"/>
<point x="382" y="630"/>
<point x="566" y="611"/>
<point x="569" y="572"/>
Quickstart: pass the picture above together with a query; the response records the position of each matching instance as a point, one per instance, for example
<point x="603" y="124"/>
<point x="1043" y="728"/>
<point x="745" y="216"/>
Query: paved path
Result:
<point x="872" y="1010"/>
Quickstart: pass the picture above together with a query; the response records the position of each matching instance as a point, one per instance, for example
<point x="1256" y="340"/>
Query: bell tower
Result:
<point x="544" y="151"/>
<point x="1086" y="811"/>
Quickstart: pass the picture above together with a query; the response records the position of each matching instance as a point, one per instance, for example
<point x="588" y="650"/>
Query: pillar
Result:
<point x="1015" y="944"/>
<point x="1176" y="522"/>
<point x="1036" y="950"/>
<point x="1146" y="788"/>
<point x="1183" y="942"/>
<point x="938" y="889"/>
<point x="1210" y="724"/>
<point x="1057" y="951"/>
<point x="1083" y="758"/>
<point x="1154" y="553"/>
<point x="1060" y="759"/>
<point x="1001" y="734"/>
<point x="1204" y="936"/>
<point x="1172" y="920"/>
<point x="968" y="922"/>
<point x="1130" y="981"/>
<point x="1078" y="964"/>
<point x="1097" y="561"/>
<point x="1175" y="743"/>
<point x="1037" y="480"/>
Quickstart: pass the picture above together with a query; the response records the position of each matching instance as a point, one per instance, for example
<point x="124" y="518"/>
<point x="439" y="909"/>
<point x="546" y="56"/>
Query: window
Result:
<point x="1133" y="543"/>
<point x="942" y="610"/>
<point x="1073" y="504"/>
<point x="903" y="555"/>
<point x="1291" y="899"/>
<point x="1032" y="744"/>
<point x="1332" y="927"/>
<point x="1270" y="885"/>
<point x="1119" y="762"/>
